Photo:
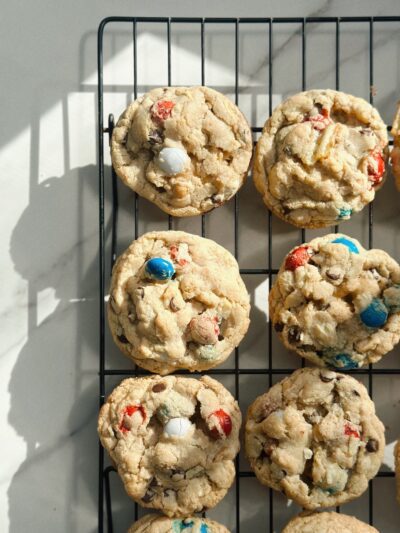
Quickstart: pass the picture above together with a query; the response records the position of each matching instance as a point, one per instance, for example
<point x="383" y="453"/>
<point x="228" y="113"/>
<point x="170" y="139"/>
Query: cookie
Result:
<point x="173" y="440"/>
<point x="315" y="437"/>
<point x="395" y="153"/>
<point x="320" y="158"/>
<point x="177" y="301"/>
<point x="337" y="304"/>
<point x="327" y="523"/>
<point x="397" y="468"/>
<point x="162" y="524"/>
<point x="187" y="149"/>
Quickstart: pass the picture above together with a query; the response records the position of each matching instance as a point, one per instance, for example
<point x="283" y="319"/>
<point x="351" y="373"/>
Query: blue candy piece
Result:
<point x="345" y="212"/>
<point x="347" y="242"/>
<point x="342" y="360"/>
<point x="330" y="490"/>
<point x="180" y="525"/>
<point x="204" y="528"/>
<point x="159" y="269"/>
<point x="375" y="315"/>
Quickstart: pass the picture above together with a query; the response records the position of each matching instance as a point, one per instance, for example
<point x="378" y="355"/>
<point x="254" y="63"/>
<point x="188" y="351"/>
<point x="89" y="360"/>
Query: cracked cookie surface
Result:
<point x="177" y="301"/>
<point x="162" y="524"/>
<point x="337" y="304"/>
<point x="320" y="158"/>
<point x="208" y="149"/>
<point x="327" y="523"/>
<point x="315" y="436"/>
<point x="173" y="441"/>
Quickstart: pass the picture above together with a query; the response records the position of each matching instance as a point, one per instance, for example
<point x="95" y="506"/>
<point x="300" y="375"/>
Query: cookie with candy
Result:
<point x="187" y="149"/>
<point x="337" y="304"/>
<point x="173" y="441"/>
<point x="177" y="301"/>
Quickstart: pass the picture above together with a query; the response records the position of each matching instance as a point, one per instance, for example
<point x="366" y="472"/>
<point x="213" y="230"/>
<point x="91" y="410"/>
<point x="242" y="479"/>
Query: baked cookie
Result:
<point x="173" y="440"/>
<point x="177" y="301"/>
<point x="337" y="304"/>
<point x="320" y="158"/>
<point x="397" y="468"/>
<point x="162" y="524"/>
<point x="187" y="149"/>
<point x="395" y="153"/>
<point x="327" y="523"/>
<point x="315" y="437"/>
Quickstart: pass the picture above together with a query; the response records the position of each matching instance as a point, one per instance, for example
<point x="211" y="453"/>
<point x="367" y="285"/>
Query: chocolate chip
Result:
<point x="148" y="496"/>
<point x="294" y="334"/>
<point x="161" y="189"/>
<point x="355" y="392"/>
<point x="269" y="446"/>
<point x="177" y="474"/>
<point x="156" y="137"/>
<point x="278" y="326"/>
<point x="372" y="445"/>
<point x="122" y="339"/>
<point x="320" y="353"/>
<point x="221" y="337"/>
<point x="154" y="482"/>
<point x="332" y="275"/>
<point x="307" y="347"/>
<point x="159" y="387"/>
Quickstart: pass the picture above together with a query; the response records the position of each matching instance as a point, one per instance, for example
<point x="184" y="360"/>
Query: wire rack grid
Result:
<point x="105" y="509"/>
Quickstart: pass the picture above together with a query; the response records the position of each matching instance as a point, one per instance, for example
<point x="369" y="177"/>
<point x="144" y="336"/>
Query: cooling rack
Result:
<point x="108" y="229"/>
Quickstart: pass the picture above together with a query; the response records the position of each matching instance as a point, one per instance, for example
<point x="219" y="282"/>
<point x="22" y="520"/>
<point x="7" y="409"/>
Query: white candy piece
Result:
<point x="177" y="427"/>
<point x="172" y="160"/>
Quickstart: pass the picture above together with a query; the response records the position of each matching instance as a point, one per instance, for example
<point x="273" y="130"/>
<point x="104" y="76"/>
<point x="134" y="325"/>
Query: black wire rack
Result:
<point x="105" y="510"/>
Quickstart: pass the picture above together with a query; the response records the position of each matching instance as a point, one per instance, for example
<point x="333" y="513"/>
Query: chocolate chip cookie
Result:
<point x="337" y="304"/>
<point x="187" y="149"/>
<point x="162" y="524"/>
<point x="177" y="301"/>
<point x="173" y="441"/>
<point x="315" y="437"/>
<point x="395" y="153"/>
<point x="327" y="523"/>
<point x="320" y="158"/>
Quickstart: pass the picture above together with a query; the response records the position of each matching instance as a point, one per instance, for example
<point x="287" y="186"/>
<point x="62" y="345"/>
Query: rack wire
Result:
<point x="105" y="511"/>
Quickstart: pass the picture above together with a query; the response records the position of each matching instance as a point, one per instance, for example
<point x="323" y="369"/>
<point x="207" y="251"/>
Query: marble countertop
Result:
<point x="49" y="203"/>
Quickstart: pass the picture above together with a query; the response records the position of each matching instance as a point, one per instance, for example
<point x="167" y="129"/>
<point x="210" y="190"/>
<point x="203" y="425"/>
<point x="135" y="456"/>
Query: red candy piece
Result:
<point x="350" y="431"/>
<point x="225" y="424"/>
<point x="162" y="110"/>
<point x="216" y="325"/>
<point x="321" y="121"/>
<point x="173" y="252"/>
<point x="376" y="167"/>
<point x="130" y="410"/>
<point x="299" y="257"/>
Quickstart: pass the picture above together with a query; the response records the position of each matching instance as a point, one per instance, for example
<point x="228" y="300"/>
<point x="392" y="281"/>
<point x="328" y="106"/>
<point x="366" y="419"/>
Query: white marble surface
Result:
<point x="49" y="233"/>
